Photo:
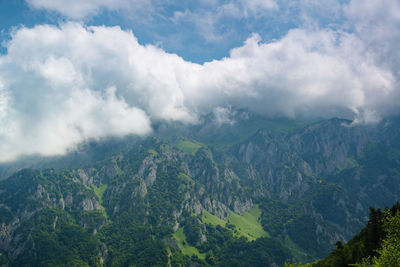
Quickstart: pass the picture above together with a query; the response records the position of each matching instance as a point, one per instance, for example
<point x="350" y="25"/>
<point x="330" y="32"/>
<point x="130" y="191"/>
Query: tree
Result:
<point x="389" y="254"/>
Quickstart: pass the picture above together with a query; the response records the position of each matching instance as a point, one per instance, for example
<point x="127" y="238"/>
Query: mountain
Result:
<point x="376" y="245"/>
<point x="247" y="191"/>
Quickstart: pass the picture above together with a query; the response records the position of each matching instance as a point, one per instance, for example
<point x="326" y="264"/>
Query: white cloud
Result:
<point x="304" y="72"/>
<point x="257" y="7"/>
<point x="205" y="23"/>
<point x="74" y="8"/>
<point x="377" y="23"/>
<point x="49" y="99"/>
<point x="60" y="86"/>
<point x="209" y="22"/>
<point x="80" y="9"/>
<point x="223" y="115"/>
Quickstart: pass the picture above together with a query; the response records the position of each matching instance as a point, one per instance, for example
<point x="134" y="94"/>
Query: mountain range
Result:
<point x="243" y="191"/>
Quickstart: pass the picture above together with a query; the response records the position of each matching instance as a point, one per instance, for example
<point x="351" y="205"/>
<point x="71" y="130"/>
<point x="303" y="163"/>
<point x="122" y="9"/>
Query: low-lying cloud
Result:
<point x="60" y="86"/>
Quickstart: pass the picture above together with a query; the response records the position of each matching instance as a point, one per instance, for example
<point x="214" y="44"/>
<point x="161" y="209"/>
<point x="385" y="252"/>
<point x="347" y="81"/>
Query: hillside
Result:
<point x="274" y="190"/>
<point x="378" y="243"/>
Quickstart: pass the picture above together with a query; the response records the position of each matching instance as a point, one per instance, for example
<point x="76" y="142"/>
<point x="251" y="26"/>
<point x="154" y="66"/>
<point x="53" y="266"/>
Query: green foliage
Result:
<point x="185" y="177"/>
<point x="5" y="215"/>
<point x="147" y="187"/>
<point x="189" y="147"/>
<point x="298" y="265"/>
<point x="291" y="220"/>
<point x="376" y="245"/>
<point x="152" y="152"/>
<point x="4" y="261"/>
<point x="262" y="252"/>
<point x="191" y="228"/>
<point x="185" y="246"/>
<point x="56" y="184"/>
<point x="209" y="218"/>
<point x="59" y="241"/>
<point x="99" y="191"/>
<point x="389" y="254"/>
<point x="164" y="196"/>
<point x="248" y="224"/>
<point x="223" y="248"/>
<point x="130" y="243"/>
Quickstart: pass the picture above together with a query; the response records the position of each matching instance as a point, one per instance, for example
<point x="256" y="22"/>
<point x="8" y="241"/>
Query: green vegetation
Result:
<point x="146" y="187"/>
<point x="189" y="147"/>
<point x="290" y="222"/>
<point x="130" y="243"/>
<point x="389" y="254"/>
<point x="59" y="241"/>
<point x="224" y="249"/>
<point x="248" y="224"/>
<point x="3" y="259"/>
<point x="209" y="218"/>
<point x="297" y="252"/>
<point x="119" y="171"/>
<point x="152" y="152"/>
<point x="99" y="191"/>
<point x="378" y="244"/>
<point x="180" y="237"/>
<point x="185" y="177"/>
<point x="348" y="163"/>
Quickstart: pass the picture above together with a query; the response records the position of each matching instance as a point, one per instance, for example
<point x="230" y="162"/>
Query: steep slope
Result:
<point x="48" y="218"/>
<point x="365" y="248"/>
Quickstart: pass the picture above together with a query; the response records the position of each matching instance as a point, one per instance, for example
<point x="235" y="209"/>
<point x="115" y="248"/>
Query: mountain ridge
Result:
<point x="313" y="184"/>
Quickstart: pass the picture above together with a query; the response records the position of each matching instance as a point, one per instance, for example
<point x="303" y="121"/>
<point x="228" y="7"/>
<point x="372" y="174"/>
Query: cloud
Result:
<point x="75" y="9"/>
<point x="60" y="86"/>
<point x="210" y="23"/>
<point x="377" y="23"/>
<point x="204" y="22"/>
<point x="257" y="7"/>
<point x="78" y="9"/>
<point x="224" y="115"/>
<point x="305" y="72"/>
<point x="49" y="99"/>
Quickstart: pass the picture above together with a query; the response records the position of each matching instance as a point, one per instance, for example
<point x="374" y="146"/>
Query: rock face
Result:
<point x="28" y="193"/>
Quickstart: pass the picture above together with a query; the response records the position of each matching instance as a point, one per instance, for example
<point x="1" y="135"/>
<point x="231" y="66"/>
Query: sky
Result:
<point x="73" y="71"/>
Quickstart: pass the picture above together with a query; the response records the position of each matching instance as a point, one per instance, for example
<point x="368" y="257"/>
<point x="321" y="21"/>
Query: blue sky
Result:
<point x="199" y="31"/>
<point x="73" y="71"/>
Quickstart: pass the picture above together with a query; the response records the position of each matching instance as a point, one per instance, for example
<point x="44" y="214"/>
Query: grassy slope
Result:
<point x="152" y="152"/>
<point x="180" y="237"/>
<point x="188" y="147"/>
<point x="212" y="219"/>
<point x="246" y="225"/>
<point x="99" y="191"/>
